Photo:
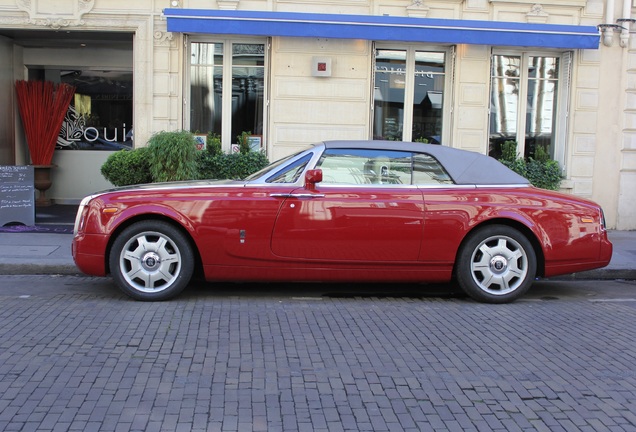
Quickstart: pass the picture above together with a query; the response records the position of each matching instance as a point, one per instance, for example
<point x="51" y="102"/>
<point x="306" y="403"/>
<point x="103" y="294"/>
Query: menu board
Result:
<point x="17" y="196"/>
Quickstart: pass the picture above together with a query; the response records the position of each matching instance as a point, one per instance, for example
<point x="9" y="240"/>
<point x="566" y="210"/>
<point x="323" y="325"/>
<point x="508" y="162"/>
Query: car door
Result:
<point x="365" y="209"/>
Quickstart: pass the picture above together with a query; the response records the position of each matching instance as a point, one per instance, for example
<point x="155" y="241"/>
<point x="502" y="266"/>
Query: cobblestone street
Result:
<point x="76" y="355"/>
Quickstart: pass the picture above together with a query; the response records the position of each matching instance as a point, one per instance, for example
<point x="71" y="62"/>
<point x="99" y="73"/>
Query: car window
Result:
<point x="427" y="170"/>
<point x="364" y="166"/>
<point x="271" y="167"/>
<point x="291" y="172"/>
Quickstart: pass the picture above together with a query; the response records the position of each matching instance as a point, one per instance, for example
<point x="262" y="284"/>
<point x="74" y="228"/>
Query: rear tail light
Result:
<point x="603" y="219"/>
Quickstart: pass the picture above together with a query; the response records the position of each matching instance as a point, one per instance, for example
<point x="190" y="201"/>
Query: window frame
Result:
<point x="226" y="108"/>
<point x="562" y="106"/>
<point x="372" y="173"/>
<point x="449" y="74"/>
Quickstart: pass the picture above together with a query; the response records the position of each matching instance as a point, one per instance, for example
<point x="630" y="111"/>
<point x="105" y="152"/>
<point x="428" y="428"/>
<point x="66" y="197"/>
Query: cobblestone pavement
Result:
<point x="76" y="355"/>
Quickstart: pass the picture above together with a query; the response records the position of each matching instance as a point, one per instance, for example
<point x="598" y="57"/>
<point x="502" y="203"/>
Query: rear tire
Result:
<point x="496" y="264"/>
<point x="151" y="261"/>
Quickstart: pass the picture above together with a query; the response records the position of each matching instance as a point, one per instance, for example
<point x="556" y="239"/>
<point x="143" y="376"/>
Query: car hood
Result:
<point x="173" y="185"/>
<point x="150" y="187"/>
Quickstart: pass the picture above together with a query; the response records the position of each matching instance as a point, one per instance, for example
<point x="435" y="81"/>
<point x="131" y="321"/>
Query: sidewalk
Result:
<point x="48" y="252"/>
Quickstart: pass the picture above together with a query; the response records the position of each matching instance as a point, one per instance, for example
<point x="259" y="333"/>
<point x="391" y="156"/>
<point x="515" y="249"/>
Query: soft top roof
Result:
<point x="464" y="167"/>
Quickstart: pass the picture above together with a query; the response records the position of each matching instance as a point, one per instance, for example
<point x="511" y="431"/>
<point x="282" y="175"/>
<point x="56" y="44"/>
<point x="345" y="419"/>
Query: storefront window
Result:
<point x="248" y="86"/>
<point x="100" y="116"/>
<point x="524" y="103"/>
<point x="429" y="96"/>
<point x="206" y="86"/>
<point x="227" y="87"/>
<point x="409" y="95"/>
<point x="389" y="94"/>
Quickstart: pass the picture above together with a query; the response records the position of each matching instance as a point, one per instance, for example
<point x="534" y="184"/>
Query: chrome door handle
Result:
<point x="300" y="195"/>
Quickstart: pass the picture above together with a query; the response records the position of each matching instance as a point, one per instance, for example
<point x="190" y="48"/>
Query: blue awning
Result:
<point x="381" y="28"/>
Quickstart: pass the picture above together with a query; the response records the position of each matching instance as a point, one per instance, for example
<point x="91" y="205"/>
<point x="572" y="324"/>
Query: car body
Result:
<point x="358" y="211"/>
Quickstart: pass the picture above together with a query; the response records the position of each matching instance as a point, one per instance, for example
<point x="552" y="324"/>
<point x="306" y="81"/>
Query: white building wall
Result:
<point x="471" y="98"/>
<point x="601" y="141"/>
<point x="305" y="109"/>
<point x="167" y="71"/>
<point x="613" y="180"/>
<point x="626" y="158"/>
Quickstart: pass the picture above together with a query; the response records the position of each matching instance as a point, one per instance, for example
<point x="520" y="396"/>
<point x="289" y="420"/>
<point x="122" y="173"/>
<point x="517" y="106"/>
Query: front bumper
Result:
<point x="89" y="253"/>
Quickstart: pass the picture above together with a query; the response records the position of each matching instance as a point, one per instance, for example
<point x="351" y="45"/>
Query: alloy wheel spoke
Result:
<point x="144" y="275"/>
<point x="512" y="272"/>
<point x="135" y="269"/>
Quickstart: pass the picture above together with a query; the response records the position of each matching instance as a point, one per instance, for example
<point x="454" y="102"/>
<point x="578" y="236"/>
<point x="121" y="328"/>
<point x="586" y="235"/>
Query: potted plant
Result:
<point x="43" y="106"/>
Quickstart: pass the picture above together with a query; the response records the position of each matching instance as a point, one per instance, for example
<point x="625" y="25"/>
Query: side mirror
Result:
<point x="312" y="177"/>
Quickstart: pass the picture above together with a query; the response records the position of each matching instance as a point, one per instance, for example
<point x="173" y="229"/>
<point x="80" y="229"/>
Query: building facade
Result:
<point x="556" y="77"/>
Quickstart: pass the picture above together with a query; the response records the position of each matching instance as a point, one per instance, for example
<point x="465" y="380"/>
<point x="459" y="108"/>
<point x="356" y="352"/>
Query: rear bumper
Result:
<point x="605" y="249"/>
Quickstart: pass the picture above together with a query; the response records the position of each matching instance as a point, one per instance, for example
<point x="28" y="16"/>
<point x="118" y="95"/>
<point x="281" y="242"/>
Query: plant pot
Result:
<point x="42" y="182"/>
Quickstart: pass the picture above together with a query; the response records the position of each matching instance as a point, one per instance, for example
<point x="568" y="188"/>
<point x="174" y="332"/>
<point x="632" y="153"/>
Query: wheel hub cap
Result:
<point x="498" y="264"/>
<point x="151" y="261"/>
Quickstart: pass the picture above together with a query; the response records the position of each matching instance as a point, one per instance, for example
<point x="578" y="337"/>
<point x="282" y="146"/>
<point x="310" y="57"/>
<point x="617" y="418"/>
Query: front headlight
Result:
<point x="80" y="216"/>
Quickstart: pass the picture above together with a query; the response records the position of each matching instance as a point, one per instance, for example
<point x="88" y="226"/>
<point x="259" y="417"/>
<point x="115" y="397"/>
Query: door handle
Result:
<point x="299" y="195"/>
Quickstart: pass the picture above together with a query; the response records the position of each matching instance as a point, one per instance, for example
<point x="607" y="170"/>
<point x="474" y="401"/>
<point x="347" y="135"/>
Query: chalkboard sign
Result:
<point x="17" y="196"/>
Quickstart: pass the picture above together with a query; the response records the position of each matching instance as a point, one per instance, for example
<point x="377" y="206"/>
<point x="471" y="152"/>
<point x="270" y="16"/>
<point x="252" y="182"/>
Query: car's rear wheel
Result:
<point x="496" y="264"/>
<point x="151" y="260"/>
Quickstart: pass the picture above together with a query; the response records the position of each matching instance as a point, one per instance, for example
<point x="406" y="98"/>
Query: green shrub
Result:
<point x="517" y="165"/>
<point x="213" y="144"/>
<point x="544" y="174"/>
<point x="244" y="142"/>
<point x="172" y="156"/>
<point x="509" y="151"/>
<point x="541" y="154"/>
<point x="230" y="166"/>
<point x="541" y="171"/>
<point x="127" y="167"/>
<point x="148" y="164"/>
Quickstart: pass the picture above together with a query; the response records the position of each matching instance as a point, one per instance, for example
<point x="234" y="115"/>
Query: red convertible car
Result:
<point x="344" y="211"/>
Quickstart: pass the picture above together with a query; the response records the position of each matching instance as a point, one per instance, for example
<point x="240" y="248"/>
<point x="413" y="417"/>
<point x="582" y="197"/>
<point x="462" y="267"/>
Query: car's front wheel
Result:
<point x="496" y="264"/>
<point x="151" y="260"/>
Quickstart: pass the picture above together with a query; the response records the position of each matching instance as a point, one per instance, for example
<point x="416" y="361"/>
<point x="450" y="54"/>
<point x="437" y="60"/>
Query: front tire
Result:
<point x="151" y="261"/>
<point x="496" y="264"/>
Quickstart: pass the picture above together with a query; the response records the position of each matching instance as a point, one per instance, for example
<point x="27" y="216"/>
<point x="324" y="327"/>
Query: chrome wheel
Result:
<point x="499" y="265"/>
<point x="496" y="264"/>
<point x="152" y="260"/>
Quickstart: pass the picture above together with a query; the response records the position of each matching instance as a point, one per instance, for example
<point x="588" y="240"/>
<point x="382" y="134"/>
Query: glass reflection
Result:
<point x="429" y="97"/>
<point x="206" y="86"/>
<point x="393" y="88"/>
<point x="248" y="88"/>
<point x="541" y="105"/>
<point x="101" y="111"/>
<point x="504" y="101"/>
<point x="389" y="92"/>
<point x="540" y="94"/>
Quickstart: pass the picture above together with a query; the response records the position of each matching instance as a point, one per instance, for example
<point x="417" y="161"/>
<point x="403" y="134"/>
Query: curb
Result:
<point x="39" y="269"/>
<point x="599" y="274"/>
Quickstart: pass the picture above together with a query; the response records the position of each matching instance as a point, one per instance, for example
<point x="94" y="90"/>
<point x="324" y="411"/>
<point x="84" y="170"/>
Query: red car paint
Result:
<point x="244" y="231"/>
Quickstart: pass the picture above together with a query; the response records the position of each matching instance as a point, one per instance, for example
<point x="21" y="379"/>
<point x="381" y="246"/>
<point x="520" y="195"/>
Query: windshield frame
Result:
<point x="271" y="167"/>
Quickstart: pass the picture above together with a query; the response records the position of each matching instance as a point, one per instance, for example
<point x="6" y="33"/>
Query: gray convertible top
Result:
<point x="464" y="167"/>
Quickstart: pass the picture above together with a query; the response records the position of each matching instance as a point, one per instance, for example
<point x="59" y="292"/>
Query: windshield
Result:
<point x="272" y="166"/>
